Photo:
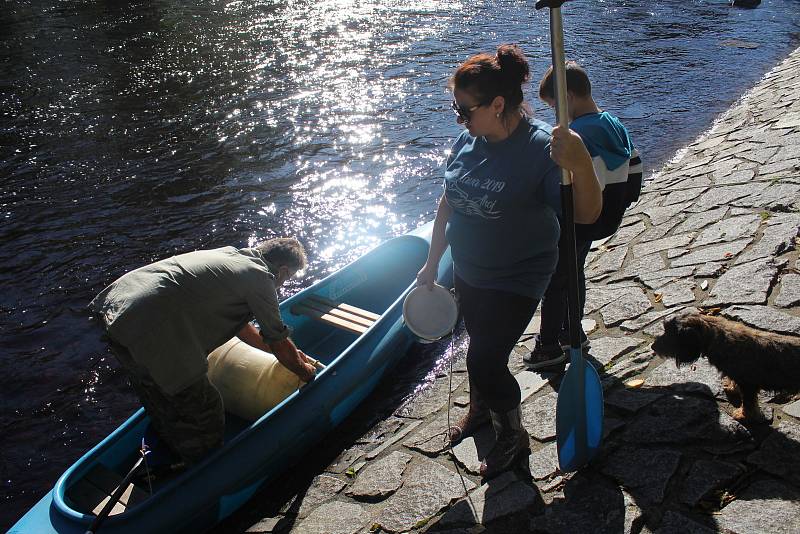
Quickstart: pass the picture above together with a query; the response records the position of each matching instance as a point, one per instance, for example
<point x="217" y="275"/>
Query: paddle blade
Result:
<point x="579" y="414"/>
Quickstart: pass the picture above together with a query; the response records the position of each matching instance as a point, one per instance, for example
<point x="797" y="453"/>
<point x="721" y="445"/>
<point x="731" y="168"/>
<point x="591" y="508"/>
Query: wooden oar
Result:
<point x="579" y="410"/>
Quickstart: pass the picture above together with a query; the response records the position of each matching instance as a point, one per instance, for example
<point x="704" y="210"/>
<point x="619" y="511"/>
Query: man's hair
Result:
<point x="577" y="82"/>
<point x="286" y="251"/>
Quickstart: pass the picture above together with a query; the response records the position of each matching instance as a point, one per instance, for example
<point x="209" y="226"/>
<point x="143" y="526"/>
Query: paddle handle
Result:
<point x="559" y="77"/>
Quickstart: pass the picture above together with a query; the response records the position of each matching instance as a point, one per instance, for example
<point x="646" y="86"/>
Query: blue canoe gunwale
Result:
<point x="264" y="448"/>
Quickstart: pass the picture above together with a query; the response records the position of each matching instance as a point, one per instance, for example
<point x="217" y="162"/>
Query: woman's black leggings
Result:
<point x="495" y="320"/>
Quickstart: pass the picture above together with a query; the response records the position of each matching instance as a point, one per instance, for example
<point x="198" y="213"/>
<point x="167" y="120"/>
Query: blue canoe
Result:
<point x="255" y="452"/>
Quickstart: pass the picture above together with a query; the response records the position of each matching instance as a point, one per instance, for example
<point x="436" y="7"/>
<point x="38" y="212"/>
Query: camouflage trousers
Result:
<point x="191" y="422"/>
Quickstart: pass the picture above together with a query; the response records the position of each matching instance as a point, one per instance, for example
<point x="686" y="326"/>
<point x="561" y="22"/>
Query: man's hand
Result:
<point x="293" y="359"/>
<point x="306" y="371"/>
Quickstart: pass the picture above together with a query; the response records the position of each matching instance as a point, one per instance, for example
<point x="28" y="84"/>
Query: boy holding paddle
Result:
<point x="619" y="171"/>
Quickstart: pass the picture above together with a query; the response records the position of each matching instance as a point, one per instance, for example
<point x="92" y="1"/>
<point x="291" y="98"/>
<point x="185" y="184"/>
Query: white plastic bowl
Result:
<point x="430" y="314"/>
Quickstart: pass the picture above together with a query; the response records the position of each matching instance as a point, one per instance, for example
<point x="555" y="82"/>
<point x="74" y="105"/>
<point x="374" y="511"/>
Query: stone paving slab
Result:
<point x="714" y="230"/>
<point x="428" y="488"/>
<point x="645" y="473"/>
<point x="767" y="507"/>
<point x="721" y="252"/>
<point x="689" y="421"/>
<point x="766" y="318"/>
<point x="632" y="400"/>
<point x="498" y="498"/>
<point x="381" y="478"/>
<point x="430" y="439"/>
<point x="699" y="378"/>
<point x="588" y="506"/>
<point x="748" y="283"/>
<point x="539" y="417"/>
<point x="793" y="409"/>
<point x="789" y="291"/>
<point x="322" y="488"/>
<point x="334" y="518"/>
<point x="606" y="349"/>
<point x="779" y="453"/>
<point x="543" y="463"/>
<point x="625" y="368"/>
<point x="676" y="523"/>
<point x="706" y="476"/>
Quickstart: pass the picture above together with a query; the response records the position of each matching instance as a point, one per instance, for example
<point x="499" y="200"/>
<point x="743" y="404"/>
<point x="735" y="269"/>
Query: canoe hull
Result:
<point x="225" y="480"/>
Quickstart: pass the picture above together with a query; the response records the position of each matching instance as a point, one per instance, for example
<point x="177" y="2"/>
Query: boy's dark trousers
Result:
<point x="554" y="304"/>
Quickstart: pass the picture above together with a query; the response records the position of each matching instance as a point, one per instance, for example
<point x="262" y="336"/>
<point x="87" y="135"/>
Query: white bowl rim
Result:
<point x="429" y="336"/>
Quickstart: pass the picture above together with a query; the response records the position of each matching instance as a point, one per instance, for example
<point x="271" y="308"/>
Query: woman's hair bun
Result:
<point x="513" y="65"/>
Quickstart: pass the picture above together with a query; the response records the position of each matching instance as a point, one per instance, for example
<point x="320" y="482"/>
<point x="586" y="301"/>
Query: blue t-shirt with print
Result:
<point x="505" y="197"/>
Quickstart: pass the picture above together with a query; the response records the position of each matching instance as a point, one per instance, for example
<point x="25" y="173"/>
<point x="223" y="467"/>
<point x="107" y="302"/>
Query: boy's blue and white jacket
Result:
<point x="618" y="168"/>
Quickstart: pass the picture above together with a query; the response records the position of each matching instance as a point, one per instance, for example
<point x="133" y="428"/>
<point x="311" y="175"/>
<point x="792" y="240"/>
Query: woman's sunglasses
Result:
<point x="464" y="113"/>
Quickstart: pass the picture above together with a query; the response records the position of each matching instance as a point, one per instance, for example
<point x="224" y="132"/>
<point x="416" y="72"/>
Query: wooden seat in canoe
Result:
<point x="93" y="491"/>
<point x="338" y="314"/>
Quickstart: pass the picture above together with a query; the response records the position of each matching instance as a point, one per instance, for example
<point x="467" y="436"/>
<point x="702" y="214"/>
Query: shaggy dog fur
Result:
<point x="749" y="359"/>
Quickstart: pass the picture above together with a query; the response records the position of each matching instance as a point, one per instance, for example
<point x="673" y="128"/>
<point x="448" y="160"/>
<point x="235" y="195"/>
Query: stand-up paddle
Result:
<point x="579" y="410"/>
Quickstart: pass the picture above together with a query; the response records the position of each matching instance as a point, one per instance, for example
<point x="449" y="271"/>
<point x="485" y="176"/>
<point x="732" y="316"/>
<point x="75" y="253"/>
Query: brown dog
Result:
<point x="749" y="359"/>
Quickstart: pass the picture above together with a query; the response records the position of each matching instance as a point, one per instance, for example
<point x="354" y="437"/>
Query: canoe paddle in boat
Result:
<point x="579" y="409"/>
<point x="117" y="494"/>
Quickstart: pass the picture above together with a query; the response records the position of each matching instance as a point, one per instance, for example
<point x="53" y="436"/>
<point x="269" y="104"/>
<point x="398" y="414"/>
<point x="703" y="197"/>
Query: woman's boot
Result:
<point x="477" y="415"/>
<point x="512" y="439"/>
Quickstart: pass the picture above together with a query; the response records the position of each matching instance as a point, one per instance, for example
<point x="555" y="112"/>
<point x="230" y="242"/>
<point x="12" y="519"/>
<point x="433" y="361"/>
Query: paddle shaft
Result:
<point x="581" y="380"/>
<point x="568" y="215"/>
<point x="567" y="202"/>
<point x="101" y="517"/>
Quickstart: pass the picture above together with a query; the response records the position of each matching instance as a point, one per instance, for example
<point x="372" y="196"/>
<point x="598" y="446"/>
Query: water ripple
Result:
<point x="137" y="130"/>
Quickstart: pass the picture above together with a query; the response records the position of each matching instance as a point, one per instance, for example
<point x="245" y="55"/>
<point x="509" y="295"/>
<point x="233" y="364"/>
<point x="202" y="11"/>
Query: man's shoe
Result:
<point x="544" y="356"/>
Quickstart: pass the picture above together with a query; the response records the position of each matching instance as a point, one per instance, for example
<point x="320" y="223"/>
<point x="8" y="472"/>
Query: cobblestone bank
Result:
<point x="714" y="229"/>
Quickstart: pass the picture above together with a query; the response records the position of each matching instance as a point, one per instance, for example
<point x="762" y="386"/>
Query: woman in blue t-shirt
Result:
<point x="499" y="214"/>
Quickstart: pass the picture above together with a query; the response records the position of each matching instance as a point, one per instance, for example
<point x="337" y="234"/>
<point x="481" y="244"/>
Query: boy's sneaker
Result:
<point x="563" y="340"/>
<point x="545" y="355"/>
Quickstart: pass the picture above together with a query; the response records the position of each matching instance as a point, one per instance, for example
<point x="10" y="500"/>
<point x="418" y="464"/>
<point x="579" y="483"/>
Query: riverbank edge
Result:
<point x="715" y="229"/>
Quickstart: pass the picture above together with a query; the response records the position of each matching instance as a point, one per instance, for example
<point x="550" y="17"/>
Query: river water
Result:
<point x="131" y="131"/>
